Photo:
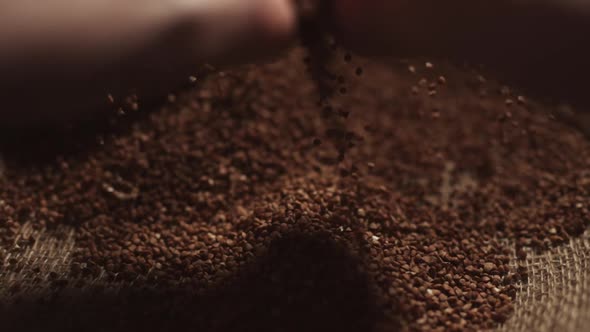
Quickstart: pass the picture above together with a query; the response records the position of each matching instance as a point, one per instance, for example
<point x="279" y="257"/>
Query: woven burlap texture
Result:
<point x="556" y="297"/>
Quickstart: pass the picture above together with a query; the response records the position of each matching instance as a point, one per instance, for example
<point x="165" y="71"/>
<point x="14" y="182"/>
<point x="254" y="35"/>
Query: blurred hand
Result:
<point x="59" y="59"/>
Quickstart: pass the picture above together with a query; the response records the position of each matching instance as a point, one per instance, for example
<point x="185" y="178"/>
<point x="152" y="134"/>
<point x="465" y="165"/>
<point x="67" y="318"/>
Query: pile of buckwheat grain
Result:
<point x="248" y="205"/>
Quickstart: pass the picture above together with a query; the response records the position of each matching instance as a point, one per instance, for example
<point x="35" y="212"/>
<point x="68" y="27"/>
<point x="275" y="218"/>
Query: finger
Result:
<point x="237" y="30"/>
<point x="90" y="48"/>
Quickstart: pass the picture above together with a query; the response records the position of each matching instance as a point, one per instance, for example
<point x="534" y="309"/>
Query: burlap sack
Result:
<point x="556" y="297"/>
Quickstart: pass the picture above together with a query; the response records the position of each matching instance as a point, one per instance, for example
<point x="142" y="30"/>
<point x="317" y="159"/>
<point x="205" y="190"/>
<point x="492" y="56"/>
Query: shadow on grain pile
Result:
<point x="303" y="283"/>
<point x="41" y="144"/>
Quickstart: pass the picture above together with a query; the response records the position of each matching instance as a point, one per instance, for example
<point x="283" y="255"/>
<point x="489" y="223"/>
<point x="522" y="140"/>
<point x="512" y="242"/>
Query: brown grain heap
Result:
<point x="225" y="210"/>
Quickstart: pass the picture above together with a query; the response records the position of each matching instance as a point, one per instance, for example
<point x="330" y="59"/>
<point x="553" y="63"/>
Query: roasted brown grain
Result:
<point x="246" y="206"/>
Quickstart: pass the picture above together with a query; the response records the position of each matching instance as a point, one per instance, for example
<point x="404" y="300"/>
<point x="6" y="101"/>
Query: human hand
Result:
<point x="60" y="59"/>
